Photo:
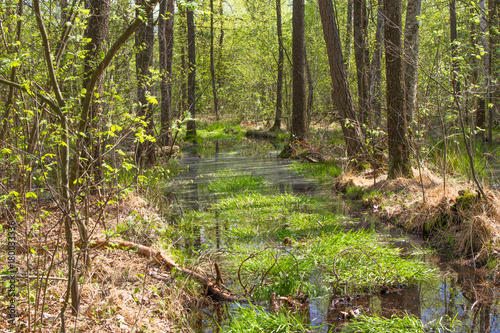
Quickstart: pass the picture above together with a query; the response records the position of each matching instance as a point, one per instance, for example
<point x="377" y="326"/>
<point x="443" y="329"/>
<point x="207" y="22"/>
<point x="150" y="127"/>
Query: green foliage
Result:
<point x="230" y="182"/>
<point x="354" y="193"/>
<point x="399" y="324"/>
<point x="278" y="242"/>
<point x="220" y="131"/>
<point x="256" y="319"/>
<point x="372" y="198"/>
<point x="323" y="172"/>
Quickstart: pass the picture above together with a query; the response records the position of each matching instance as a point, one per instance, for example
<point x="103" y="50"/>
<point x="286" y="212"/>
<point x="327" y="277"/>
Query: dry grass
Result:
<point x="120" y="292"/>
<point x="470" y="227"/>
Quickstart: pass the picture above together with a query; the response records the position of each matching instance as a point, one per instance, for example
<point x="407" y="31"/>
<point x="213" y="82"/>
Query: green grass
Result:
<point x="256" y="228"/>
<point x="395" y="324"/>
<point x="231" y="182"/>
<point x="257" y="319"/>
<point x="220" y="131"/>
<point x="323" y="172"/>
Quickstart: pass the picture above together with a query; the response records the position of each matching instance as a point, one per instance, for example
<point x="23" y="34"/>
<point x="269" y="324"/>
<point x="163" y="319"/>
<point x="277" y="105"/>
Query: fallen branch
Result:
<point x="210" y="288"/>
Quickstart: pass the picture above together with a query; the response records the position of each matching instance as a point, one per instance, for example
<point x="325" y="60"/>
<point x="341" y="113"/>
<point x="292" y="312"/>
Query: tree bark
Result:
<point x="399" y="152"/>
<point x="360" y="49"/>
<point x="279" y="80"/>
<point x="299" y="120"/>
<point x="97" y="31"/>
<point x="494" y="63"/>
<point x="411" y="57"/>
<point x="375" y="68"/>
<point x="348" y="35"/>
<point x="165" y="48"/>
<point x="453" y="37"/>
<point x="191" y="125"/>
<point x="353" y="136"/>
<point x="144" y="43"/>
<point x="212" y="62"/>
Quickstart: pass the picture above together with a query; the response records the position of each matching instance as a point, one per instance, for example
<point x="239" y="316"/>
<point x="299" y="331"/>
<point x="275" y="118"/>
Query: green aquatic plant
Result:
<point x="257" y="319"/>
<point x="323" y="172"/>
<point x="228" y="181"/>
<point x="399" y="324"/>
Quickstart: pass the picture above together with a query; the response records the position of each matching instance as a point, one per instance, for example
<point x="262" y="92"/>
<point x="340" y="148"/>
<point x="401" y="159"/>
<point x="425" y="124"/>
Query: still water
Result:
<point x="460" y="292"/>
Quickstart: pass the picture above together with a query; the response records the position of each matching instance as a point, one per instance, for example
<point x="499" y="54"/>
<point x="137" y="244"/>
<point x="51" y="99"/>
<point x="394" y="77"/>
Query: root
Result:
<point x="211" y="289"/>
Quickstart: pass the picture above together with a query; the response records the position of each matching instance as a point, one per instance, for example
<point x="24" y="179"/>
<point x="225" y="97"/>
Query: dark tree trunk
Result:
<point x="279" y="80"/>
<point x="97" y="31"/>
<point x="375" y="70"/>
<point x="453" y="37"/>
<point x="212" y="61"/>
<point x="310" y="89"/>
<point x="299" y="114"/>
<point x="360" y="54"/>
<point x="166" y="47"/>
<point x="144" y="42"/>
<point x="411" y="57"/>
<point x="353" y="136"/>
<point x="191" y="125"/>
<point x="399" y="152"/>
<point x="348" y="35"/>
<point x="493" y="63"/>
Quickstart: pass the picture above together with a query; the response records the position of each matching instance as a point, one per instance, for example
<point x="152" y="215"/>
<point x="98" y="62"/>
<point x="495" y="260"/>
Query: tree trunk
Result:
<point x="360" y="49"/>
<point x="375" y="70"/>
<point x="212" y="61"/>
<point x="399" y="152"/>
<point x="348" y="35"/>
<point x="97" y="31"/>
<point x="493" y="63"/>
<point x="453" y="37"/>
<point x="299" y="119"/>
<point x="353" y="136"/>
<point x="166" y="47"/>
<point x="144" y="42"/>
<point x="279" y="80"/>
<point x="411" y="58"/>
<point x="310" y="89"/>
<point x="191" y="125"/>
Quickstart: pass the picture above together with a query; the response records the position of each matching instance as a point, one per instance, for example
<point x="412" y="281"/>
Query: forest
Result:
<point x="249" y="166"/>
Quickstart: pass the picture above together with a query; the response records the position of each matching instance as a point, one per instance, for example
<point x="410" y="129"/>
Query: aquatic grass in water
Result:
<point x="395" y="324"/>
<point x="323" y="172"/>
<point x="229" y="182"/>
<point x="257" y="319"/>
<point x="220" y="131"/>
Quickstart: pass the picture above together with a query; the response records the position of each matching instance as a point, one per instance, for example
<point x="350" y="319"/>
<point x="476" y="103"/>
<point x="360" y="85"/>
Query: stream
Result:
<point x="457" y="292"/>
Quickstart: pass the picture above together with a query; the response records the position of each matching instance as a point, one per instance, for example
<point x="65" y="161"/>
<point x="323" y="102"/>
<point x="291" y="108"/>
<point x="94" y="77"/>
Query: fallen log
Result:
<point x="211" y="289"/>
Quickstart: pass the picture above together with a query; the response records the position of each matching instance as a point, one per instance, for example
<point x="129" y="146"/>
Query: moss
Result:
<point x="465" y="200"/>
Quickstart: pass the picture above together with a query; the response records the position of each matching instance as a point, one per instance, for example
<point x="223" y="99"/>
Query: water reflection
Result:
<point x="460" y="292"/>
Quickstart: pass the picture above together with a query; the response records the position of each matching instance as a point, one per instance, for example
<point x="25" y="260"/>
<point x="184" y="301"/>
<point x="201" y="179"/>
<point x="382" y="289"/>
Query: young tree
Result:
<point x="191" y="125"/>
<point x="166" y="48"/>
<point x="299" y="112"/>
<point x="348" y="35"/>
<point x="411" y="57"/>
<point x="353" y="136"/>
<point x="397" y="131"/>
<point x="279" y="80"/>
